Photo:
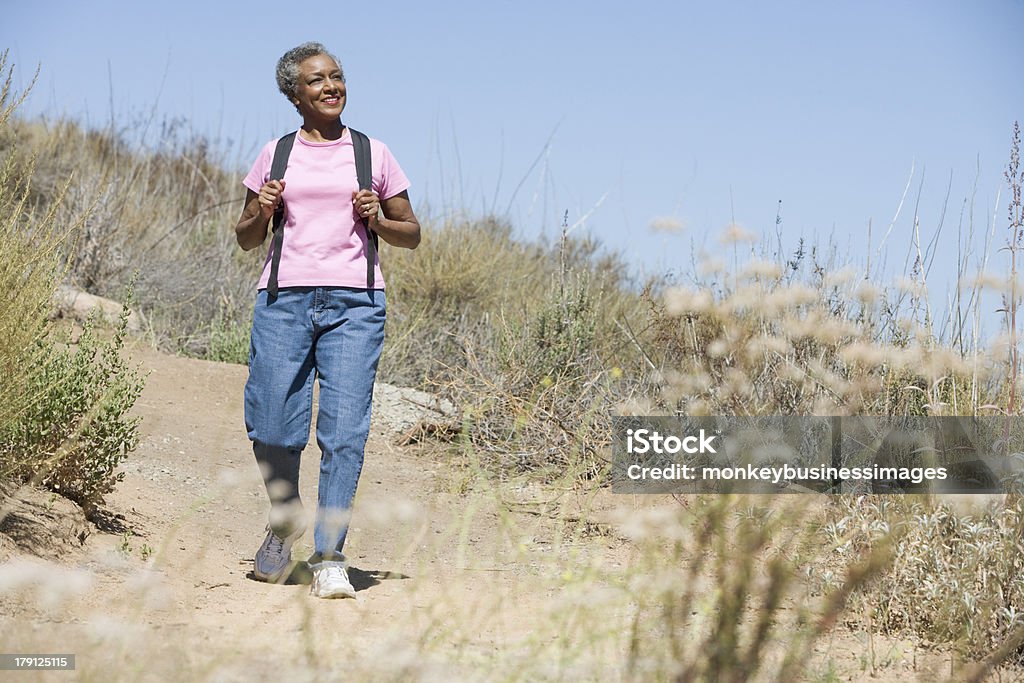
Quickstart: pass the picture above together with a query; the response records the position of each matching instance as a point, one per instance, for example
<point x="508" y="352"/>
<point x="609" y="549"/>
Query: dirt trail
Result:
<point x="447" y="579"/>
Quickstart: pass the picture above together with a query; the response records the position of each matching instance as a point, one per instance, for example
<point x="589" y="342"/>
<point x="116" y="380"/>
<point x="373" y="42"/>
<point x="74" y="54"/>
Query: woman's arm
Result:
<point x="398" y="227"/>
<point x="251" y="229"/>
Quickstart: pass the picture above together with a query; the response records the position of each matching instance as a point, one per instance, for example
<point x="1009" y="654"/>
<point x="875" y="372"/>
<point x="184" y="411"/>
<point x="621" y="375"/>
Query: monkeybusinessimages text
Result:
<point x="647" y="442"/>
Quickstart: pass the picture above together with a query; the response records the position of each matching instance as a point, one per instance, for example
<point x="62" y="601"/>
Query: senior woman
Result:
<point x="319" y="312"/>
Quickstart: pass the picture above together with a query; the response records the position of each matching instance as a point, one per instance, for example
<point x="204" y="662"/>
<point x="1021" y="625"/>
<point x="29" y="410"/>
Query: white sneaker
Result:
<point x="274" y="556"/>
<point x="331" y="581"/>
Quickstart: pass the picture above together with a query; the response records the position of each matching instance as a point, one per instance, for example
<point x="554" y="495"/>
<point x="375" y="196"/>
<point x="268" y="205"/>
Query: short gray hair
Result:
<point x="288" y="66"/>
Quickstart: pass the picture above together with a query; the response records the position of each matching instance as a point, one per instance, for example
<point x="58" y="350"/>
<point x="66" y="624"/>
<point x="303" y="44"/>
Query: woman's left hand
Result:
<point x="367" y="205"/>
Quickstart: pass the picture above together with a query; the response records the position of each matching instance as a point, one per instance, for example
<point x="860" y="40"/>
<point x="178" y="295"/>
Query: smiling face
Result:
<point x="320" y="95"/>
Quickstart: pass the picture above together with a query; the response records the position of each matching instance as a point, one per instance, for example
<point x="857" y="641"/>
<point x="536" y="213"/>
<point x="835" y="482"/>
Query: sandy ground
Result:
<point x="452" y="585"/>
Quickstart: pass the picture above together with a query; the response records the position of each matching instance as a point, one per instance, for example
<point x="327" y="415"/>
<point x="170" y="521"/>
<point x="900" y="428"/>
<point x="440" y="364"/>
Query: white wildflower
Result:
<point x="761" y="269"/>
<point x="679" y="301"/>
<point x="734" y="232"/>
<point x="666" y="224"/>
<point x="840" y="277"/>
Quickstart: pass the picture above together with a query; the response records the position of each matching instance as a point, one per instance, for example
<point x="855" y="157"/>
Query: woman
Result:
<point x="326" y="320"/>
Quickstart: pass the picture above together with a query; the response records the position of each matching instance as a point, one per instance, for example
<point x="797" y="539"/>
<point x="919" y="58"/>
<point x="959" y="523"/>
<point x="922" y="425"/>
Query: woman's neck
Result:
<point x="322" y="131"/>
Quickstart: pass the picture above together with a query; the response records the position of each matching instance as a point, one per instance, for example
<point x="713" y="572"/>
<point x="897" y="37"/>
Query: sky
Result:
<point x="794" y="119"/>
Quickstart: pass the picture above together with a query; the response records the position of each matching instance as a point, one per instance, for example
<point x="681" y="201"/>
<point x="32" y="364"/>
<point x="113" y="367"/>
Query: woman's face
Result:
<point x="321" y="92"/>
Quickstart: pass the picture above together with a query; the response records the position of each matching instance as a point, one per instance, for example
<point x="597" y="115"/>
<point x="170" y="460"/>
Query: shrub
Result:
<point x="75" y="429"/>
<point x="955" y="578"/>
<point x="450" y="292"/>
<point x="540" y="398"/>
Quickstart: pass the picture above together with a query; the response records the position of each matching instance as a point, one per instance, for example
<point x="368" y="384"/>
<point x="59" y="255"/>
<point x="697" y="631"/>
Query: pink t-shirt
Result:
<point x="324" y="240"/>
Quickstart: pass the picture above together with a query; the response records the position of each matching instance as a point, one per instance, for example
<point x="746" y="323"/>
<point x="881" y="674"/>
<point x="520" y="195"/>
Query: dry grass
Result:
<point x="164" y="212"/>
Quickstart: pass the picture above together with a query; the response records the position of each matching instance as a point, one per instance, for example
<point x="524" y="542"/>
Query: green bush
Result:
<point x="557" y="342"/>
<point x="75" y="430"/>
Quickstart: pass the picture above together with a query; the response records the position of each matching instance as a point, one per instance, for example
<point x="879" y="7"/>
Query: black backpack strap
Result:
<point x="277" y="168"/>
<point x="364" y="173"/>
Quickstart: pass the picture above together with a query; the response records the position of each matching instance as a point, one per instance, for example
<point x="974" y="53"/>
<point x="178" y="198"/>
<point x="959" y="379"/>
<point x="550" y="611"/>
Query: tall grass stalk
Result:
<point x="1014" y="244"/>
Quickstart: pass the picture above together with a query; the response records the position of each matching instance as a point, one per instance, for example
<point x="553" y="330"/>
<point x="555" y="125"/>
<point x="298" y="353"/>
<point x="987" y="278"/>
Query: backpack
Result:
<point x="361" y="146"/>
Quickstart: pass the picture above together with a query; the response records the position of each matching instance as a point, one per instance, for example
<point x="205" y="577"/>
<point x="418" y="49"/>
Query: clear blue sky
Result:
<point x="703" y="112"/>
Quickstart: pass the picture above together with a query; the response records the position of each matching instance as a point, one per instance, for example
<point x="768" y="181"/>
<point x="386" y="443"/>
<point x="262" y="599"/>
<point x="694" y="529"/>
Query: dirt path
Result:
<point x="448" y="579"/>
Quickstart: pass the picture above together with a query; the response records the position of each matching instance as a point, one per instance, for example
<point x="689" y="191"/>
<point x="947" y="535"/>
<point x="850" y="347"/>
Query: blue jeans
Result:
<point x="333" y="335"/>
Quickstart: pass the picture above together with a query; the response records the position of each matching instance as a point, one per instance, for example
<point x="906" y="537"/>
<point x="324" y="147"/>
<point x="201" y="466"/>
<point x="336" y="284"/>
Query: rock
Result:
<point x="78" y="305"/>
<point x="399" y="408"/>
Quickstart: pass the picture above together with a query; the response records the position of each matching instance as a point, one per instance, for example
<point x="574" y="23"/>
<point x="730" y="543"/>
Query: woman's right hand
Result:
<point x="251" y="229"/>
<point x="270" y="197"/>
